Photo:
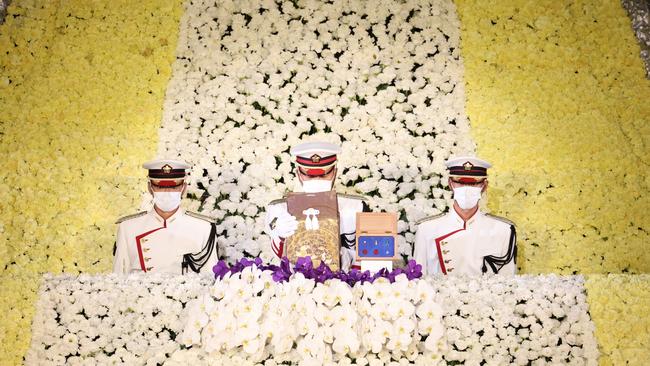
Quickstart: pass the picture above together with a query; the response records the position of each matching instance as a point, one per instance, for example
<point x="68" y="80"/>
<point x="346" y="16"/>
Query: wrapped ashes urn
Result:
<point x="317" y="235"/>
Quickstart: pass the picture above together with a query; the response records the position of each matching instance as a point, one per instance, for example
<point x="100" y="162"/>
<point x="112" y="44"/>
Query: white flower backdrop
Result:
<point x="152" y="319"/>
<point x="252" y="78"/>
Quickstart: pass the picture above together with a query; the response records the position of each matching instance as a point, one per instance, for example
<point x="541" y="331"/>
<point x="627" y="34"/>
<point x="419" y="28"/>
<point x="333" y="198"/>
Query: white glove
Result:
<point x="285" y="226"/>
<point x="347" y="258"/>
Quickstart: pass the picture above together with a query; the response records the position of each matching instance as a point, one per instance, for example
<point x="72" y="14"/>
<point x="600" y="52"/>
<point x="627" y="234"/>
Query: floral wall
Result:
<point x="619" y="306"/>
<point x="81" y="85"/>
<point x="557" y="101"/>
<point x="253" y="78"/>
<point x="555" y="97"/>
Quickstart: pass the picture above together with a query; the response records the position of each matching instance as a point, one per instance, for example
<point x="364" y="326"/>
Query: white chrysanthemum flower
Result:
<point x="313" y="75"/>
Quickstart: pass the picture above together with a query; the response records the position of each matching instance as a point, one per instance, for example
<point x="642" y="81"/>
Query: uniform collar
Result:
<point x="477" y="216"/>
<point x="171" y="219"/>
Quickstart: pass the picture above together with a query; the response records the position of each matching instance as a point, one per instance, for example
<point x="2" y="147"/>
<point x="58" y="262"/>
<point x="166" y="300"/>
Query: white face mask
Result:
<point x="467" y="197"/>
<point x="317" y="185"/>
<point x="167" y="201"/>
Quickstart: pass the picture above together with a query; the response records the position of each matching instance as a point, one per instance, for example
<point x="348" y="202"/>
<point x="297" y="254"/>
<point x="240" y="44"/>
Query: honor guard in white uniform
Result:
<point x="466" y="240"/>
<point x="316" y="170"/>
<point x="166" y="238"/>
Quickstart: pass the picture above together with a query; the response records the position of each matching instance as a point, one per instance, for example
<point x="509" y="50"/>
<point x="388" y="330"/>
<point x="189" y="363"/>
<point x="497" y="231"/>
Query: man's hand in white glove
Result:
<point x="284" y="226"/>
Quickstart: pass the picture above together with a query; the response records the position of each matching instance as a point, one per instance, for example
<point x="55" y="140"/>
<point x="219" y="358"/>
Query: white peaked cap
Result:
<point x="160" y="163"/>
<point x="308" y="149"/>
<point x="461" y="160"/>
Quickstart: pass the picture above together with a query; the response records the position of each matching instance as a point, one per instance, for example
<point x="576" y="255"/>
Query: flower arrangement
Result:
<point x="110" y="319"/>
<point x="558" y="103"/>
<point x="518" y="320"/>
<point x="248" y="316"/>
<point x="18" y="294"/>
<point x="302" y="320"/>
<point x="253" y="78"/>
<point x="111" y="114"/>
<point x="320" y="274"/>
<point x="81" y="89"/>
<point x="619" y="305"/>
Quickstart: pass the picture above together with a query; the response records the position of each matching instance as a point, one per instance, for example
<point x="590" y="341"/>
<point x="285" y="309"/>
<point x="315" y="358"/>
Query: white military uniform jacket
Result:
<point x="447" y="244"/>
<point x="148" y="243"/>
<point x="349" y="205"/>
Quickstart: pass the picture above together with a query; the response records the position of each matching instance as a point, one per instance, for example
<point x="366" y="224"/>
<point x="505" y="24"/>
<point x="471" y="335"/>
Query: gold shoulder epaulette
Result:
<point x="429" y="218"/>
<point x="353" y="196"/>
<point x="279" y="200"/>
<point x="201" y="217"/>
<point x="129" y="217"/>
<point x="501" y="219"/>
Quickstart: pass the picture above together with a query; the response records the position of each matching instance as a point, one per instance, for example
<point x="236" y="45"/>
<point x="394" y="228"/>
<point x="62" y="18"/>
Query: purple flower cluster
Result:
<point x="319" y="274"/>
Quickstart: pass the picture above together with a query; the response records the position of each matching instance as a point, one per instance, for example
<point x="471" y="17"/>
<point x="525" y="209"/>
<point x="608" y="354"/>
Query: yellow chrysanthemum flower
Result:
<point x="81" y="89"/>
<point x="557" y="98"/>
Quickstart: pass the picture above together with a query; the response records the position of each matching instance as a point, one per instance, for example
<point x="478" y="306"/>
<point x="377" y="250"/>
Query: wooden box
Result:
<point x="376" y="236"/>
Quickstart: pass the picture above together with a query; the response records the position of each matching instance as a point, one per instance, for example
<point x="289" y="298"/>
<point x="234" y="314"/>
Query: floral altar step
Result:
<point x="247" y="317"/>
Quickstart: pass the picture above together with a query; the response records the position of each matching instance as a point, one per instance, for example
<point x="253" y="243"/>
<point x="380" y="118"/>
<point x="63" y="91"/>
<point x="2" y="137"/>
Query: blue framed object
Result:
<point x="376" y="247"/>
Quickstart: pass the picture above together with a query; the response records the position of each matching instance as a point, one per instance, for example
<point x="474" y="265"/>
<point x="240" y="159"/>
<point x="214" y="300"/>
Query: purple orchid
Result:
<point x="320" y="274"/>
<point x="220" y="269"/>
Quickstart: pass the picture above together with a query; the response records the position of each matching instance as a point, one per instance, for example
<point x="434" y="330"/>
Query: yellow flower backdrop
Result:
<point x="619" y="306"/>
<point x="558" y="102"/>
<point x="81" y="90"/>
<point x="556" y="96"/>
